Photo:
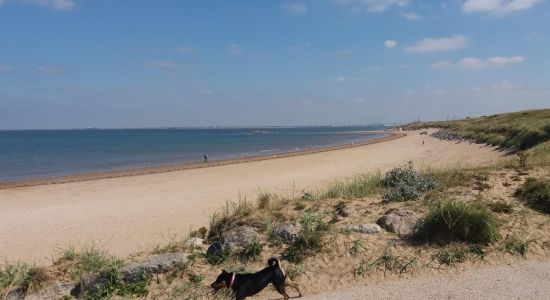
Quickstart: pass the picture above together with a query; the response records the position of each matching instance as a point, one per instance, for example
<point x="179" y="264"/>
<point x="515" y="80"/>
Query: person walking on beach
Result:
<point x="205" y="157"/>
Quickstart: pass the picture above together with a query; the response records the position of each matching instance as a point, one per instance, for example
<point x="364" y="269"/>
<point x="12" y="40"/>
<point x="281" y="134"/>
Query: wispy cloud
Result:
<point x="376" y="6"/>
<point x="49" y="69"/>
<point x="297" y="47"/>
<point x="390" y="44"/>
<point x="474" y="63"/>
<point x="5" y="69"/>
<point x="234" y="49"/>
<point x="61" y="5"/>
<point x="186" y="49"/>
<point x="438" y="44"/>
<point x="295" y="8"/>
<point x="498" y="7"/>
<point x="162" y="64"/>
<point x="411" y="16"/>
<point x="341" y="79"/>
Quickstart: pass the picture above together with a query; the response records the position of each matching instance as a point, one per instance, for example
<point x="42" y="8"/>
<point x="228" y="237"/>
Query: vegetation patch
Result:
<point x="450" y="220"/>
<point x="404" y="183"/>
<point x="387" y="262"/>
<point x="517" y="131"/>
<point x="515" y="245"/>
<point x="535" y="192"/>
<point x="308" y="240"/>
<point x="501" y="207"/>
<point x="359" y="187"/>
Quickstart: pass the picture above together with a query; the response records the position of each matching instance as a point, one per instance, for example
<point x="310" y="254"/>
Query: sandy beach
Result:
<point x="133" y="213"/>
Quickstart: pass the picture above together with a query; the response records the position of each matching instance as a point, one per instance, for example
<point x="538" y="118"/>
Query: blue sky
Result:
<point x="107" y="63"/>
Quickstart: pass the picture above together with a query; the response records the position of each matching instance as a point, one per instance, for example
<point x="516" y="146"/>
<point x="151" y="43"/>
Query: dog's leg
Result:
<point x="280" y="287"/>
<point x="295" y="287"/>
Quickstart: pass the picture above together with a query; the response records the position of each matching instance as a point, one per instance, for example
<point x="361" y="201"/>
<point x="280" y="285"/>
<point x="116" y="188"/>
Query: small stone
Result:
<point x="195" y="242"/>
<point x="345" y="212"/>
<point x="239" y="237"/>
<point x="366" y="228"/>
<point x="55" y="292"/>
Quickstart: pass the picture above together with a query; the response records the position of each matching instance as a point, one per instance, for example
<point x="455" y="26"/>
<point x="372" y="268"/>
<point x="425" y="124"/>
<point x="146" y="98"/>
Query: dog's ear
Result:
<point x="224" y="272"/>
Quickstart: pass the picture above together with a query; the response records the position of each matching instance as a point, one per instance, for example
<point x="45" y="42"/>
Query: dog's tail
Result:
<point x="275" y="262"/>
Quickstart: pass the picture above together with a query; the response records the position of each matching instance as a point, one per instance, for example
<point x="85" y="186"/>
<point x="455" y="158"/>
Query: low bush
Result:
<point x="535" y="192"/>
<point x="501" y="207"/>
<point x="449" y="221"/>
<point x="404" y="183"/>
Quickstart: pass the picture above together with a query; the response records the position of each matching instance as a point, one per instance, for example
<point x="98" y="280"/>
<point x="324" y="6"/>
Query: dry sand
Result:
<point x="129" y="214"/>
<point x="525" y="280"/>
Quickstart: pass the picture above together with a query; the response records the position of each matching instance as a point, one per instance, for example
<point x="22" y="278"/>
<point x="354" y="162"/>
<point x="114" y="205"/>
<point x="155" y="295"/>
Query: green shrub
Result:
<point x="250" y="251"/>
<point x="536" y="193"/>
<point x="449" y="221"/>
<point x="92" y="260"/>
<point x="308" y="240"/>
<point x="13" y="275"/>
<point x="404" y="183"/>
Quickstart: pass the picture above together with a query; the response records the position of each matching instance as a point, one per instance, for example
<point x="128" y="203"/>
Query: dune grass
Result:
<point x="516" y="131"/>
<point x="360" y="186"/>
<point x="535" y="192"/>
<point x="450" y="220"/>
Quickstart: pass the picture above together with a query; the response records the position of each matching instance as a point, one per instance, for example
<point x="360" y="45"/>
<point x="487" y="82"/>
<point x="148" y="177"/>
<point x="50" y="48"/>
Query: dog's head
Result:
<point x="223" y="281"/>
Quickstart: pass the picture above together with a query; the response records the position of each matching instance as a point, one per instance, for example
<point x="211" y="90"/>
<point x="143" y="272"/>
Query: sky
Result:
<point x="147" y="63"/>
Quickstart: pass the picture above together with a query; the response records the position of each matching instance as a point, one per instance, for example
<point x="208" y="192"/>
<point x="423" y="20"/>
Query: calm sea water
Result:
<point x="32" y="154"/>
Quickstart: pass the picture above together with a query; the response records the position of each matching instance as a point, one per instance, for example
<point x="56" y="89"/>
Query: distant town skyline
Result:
<point x="143" y="64"/>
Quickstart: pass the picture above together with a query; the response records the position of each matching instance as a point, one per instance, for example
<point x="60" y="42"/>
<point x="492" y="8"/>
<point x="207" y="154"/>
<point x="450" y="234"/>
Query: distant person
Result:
<point x="422" y="143"/>
<point x="205" y="157"/>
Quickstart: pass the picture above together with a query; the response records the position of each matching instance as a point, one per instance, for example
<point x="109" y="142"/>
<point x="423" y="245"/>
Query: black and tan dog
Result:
<point x="248" y="284"/>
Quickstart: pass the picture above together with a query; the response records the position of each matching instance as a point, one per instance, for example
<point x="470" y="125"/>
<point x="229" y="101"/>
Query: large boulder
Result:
<point x="399" y="221"/>
<point x="154" y="264"/>
<point x="288" y="231"/>
<point x="239" y="237"/>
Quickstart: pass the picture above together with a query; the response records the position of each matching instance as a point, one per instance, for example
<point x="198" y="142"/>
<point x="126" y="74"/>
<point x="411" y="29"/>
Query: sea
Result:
<point x="42" y="154"/>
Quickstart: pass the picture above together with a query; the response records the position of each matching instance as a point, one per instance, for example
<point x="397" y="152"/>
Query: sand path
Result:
<point x="128" y="214"/>
<point x="525" y="280"/>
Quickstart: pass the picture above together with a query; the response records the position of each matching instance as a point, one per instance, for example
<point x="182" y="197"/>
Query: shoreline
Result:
<point x="388" y="136"/>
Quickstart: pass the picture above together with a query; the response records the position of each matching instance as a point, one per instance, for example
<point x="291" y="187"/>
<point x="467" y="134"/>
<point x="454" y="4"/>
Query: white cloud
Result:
<point x="162" y="64"/>
<point x="371" y="5"/>
<point x="412" y="16"/>
<point x="402" y="66"/>
<point x="295" y="8"/>
<point x="5" y="68"/>
<point x="62" y="5"/>
<point x="390" y="44"/>
<point x="436" y="45"/>
<point x="234" y="49"/>
<point x="503" y="86"/>
<point x="498" y="7"/>
<point x="474" y="63"/>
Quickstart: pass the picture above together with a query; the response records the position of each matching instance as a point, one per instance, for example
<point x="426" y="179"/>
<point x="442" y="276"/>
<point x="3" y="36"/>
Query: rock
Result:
<point x="399" y="221"/>
<point x="345" y="212"/>
<point x="216" y="249"/>
<point x="288" y="231"/>
<point x="154" y="264"/>
<point x="239" y="237"/>
<point x="17" y="294"/>
<point x="365" y="228"/>
<point x="55" y="292"/>
<point x="135" y="272"/>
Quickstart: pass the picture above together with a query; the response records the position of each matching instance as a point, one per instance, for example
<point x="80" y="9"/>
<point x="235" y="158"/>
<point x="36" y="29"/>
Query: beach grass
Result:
<point x="512" y="131"/>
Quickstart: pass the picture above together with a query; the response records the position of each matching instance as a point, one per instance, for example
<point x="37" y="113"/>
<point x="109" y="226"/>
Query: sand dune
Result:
<point x="128" y="214"/>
